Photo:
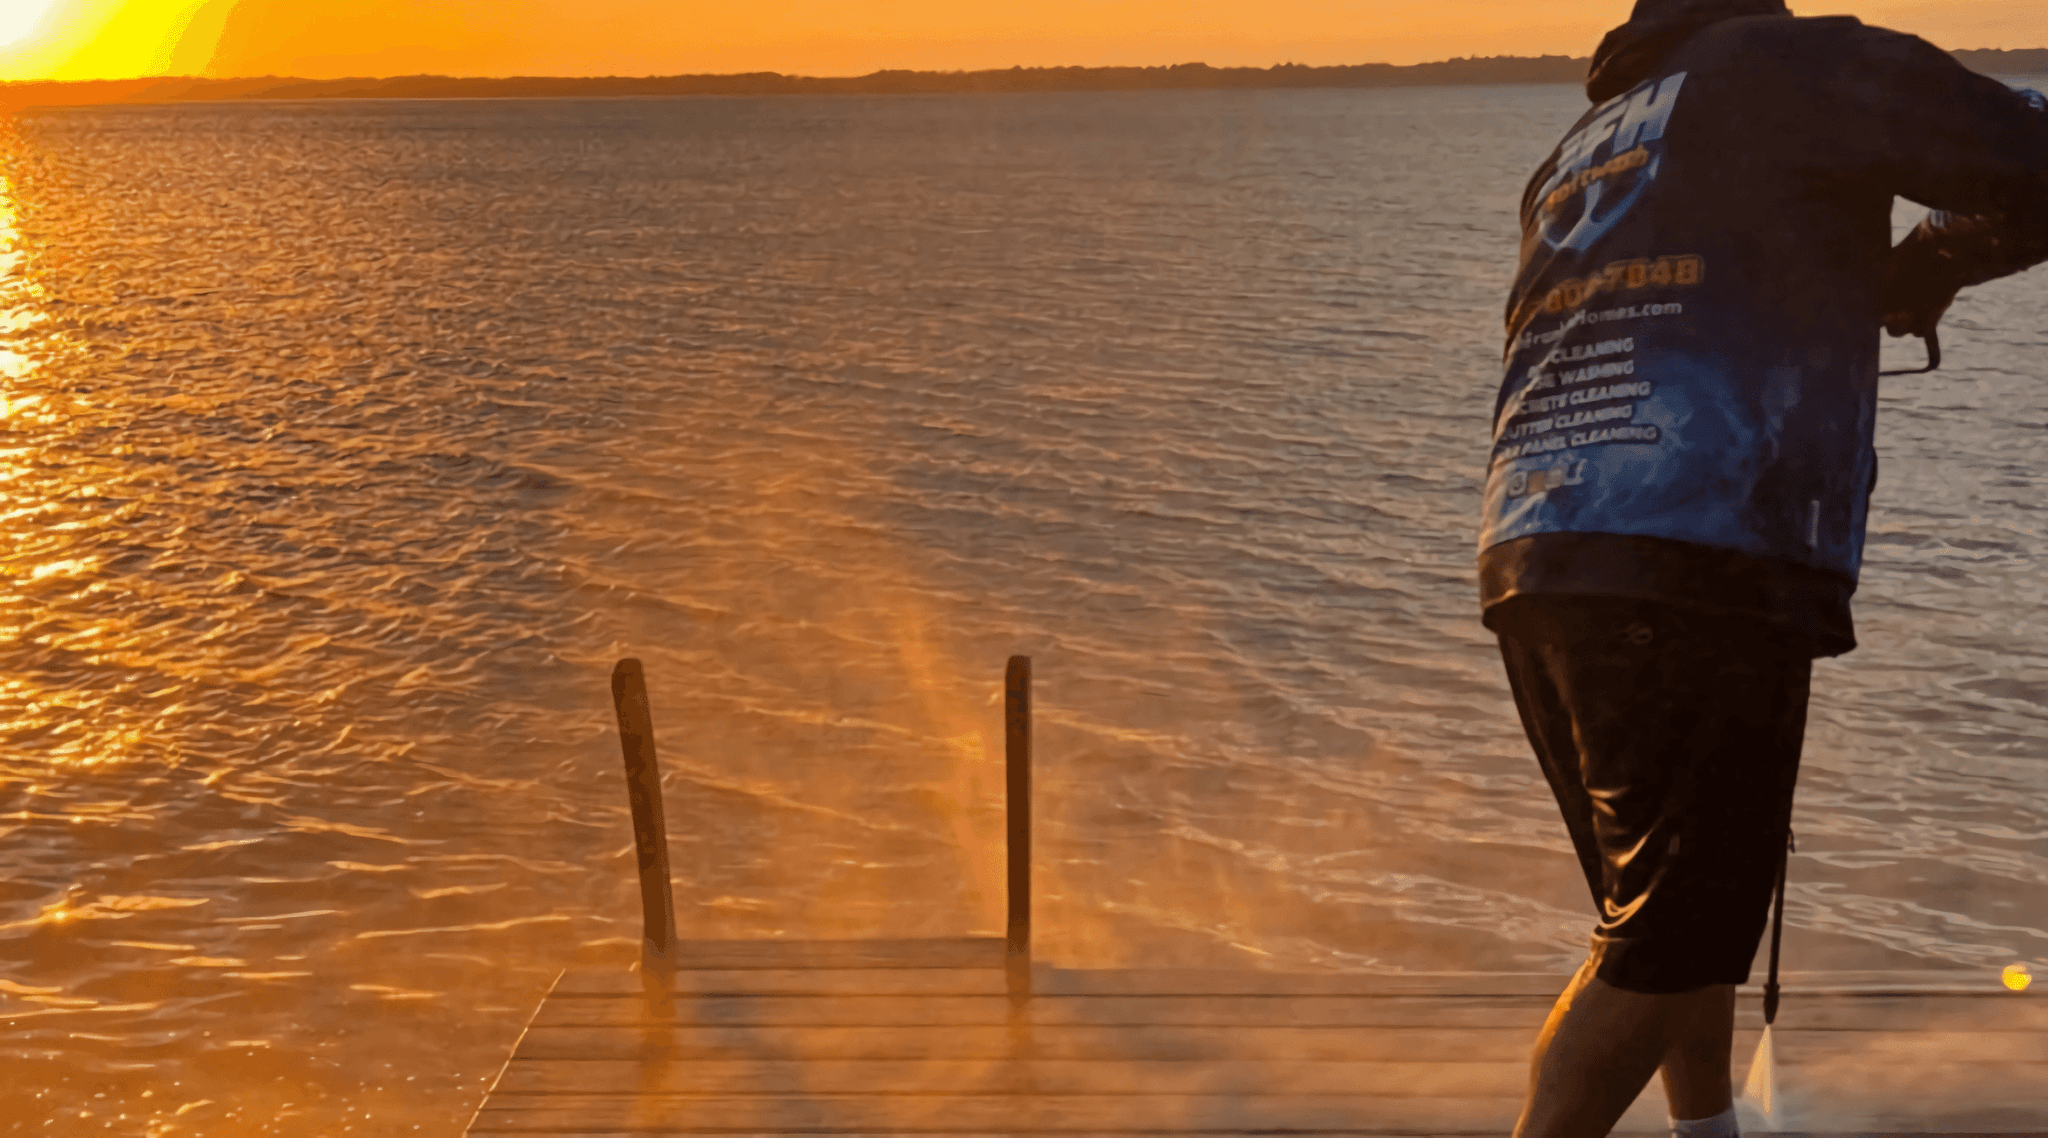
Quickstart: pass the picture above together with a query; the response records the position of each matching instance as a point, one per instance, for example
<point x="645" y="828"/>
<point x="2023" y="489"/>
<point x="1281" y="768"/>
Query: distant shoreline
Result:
<point x="1476" y="71"/>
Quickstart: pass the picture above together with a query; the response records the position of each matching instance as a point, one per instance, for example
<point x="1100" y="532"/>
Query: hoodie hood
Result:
<point x="1656" y="27"/>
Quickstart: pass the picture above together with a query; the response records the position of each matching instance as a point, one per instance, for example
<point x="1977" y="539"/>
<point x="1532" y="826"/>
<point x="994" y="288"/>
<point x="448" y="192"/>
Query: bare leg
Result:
<point x="1697" y="1059"/>
<point x="1600" y="1046"/>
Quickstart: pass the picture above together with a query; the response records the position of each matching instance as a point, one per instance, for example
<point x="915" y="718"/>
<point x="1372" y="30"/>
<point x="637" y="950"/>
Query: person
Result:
<point x="1681" y="468"/>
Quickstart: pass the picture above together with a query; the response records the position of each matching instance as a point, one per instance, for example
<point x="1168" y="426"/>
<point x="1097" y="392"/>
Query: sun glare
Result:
<point x="19" y="18"/>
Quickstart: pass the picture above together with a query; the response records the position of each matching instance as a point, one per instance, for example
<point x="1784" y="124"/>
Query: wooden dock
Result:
<point x="968" y="1037"/>
<point x="775" y="1037"/>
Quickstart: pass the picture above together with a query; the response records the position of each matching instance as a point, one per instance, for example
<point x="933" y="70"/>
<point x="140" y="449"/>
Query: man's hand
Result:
<point x="1916" y="316"/>
<point x="1919" y="282"/>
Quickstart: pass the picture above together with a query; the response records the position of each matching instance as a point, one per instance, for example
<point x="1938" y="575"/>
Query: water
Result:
<point x="346" y="446"/>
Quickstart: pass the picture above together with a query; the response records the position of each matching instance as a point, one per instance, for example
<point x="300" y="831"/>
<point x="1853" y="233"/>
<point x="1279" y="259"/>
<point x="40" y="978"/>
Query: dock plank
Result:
<point x="832" y="981"/>
<point x="1382" y="1078"/>
<point x="941" y="952"/>
<point x="1422" y="1044"/>
<point x="1003" y="1114"/>
<point x="1152" y="1114"/>
<point x="1208" y="982"/>
<point x="821" y="1011"/>
<point x="931" y="968"/>
<point x="1017" y="1114"/>
<point x="2005" y="1082"/>
<point x="1841" y="1013"/>
<point x="981" y="1042"/>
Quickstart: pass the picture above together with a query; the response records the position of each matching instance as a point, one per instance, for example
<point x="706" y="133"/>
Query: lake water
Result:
<point x="346" y="446"/>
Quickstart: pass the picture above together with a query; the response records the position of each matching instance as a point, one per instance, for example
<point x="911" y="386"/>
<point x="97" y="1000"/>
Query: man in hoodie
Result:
<point x="1681" y="467"/>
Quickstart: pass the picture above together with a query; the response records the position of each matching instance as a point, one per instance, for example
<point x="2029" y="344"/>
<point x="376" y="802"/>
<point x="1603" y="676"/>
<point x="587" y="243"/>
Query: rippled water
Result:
<point x="347" y="445"/>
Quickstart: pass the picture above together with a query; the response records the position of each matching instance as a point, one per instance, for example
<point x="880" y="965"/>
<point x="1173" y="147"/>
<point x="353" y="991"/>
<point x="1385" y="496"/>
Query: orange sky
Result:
<point x="82" y="39"/>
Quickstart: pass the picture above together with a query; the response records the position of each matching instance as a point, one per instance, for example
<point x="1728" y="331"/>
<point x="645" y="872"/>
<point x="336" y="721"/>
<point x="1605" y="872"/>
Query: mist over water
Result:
<point x="346" y="446"/>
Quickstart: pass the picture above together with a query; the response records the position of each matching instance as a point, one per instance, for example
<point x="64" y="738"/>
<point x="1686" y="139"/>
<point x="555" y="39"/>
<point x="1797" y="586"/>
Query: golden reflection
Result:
<point x="63" y="1001"/>
<point x="72" y="908"/>
<point x="70" y="566"/>
<point x="365" y="867"/>
<point x="2017" y="977"/>
<point x="21" y="310"/>
<point x="457" y="890"/>
<point x="13" y="259"/>
<point x="386" y="991"/>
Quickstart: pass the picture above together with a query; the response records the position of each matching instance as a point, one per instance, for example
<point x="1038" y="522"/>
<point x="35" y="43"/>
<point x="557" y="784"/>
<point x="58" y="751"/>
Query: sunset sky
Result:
<point x="92" y="39"/>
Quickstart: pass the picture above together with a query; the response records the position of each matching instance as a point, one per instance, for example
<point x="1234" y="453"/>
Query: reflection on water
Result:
<point x="345" y="447"/>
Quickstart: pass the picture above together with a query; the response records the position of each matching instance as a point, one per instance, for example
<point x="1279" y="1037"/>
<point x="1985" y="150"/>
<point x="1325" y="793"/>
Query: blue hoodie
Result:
<point x="1690" y="386"/>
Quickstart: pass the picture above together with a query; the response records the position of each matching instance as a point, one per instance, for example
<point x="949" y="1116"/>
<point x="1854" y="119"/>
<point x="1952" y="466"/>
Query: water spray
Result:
<point x="1761" y="1088"/>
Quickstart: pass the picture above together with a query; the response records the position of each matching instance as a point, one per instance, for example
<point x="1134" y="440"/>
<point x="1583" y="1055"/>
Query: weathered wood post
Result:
<point x="1017" y="802"/>
<point x="650" y="830"/>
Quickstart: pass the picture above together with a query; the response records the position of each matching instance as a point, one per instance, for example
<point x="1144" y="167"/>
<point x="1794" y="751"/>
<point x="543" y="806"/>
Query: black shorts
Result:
<point x="1670" y="737"/>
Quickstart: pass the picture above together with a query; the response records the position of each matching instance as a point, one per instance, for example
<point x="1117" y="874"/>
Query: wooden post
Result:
<point x="650" y="831"/>
<point x="1017" y="787"/>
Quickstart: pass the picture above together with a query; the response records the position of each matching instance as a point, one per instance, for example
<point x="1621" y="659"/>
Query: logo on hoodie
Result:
<point x="1605" y="166"/>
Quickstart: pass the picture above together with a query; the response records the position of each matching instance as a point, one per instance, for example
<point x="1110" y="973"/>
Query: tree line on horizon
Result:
<point x="1472" y="71"/>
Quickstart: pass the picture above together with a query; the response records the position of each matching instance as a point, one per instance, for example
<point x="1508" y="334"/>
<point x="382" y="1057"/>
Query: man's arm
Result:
<point x="1880" y="109"/>
<point x="1949" y="251"/>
